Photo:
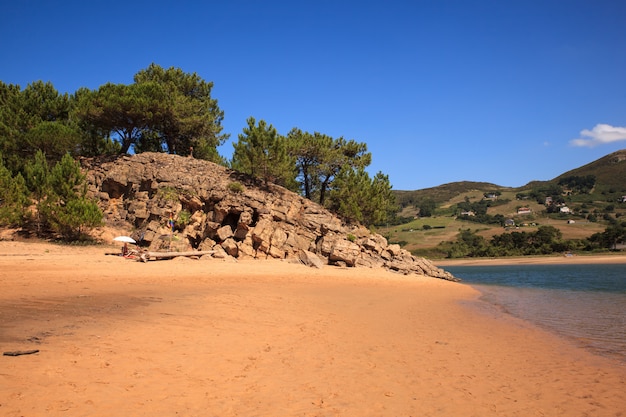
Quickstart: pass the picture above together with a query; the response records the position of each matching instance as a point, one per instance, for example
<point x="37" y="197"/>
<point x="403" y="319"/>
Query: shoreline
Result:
<point x="534" y="260"/>
<point x="198" y="337"/>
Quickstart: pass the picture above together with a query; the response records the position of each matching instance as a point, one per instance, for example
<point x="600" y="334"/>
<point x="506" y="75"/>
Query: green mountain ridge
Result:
<point x="610" y="173"/>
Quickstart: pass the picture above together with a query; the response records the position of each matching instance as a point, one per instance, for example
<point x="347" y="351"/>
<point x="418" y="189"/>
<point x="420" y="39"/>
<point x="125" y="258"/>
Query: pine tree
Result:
<point x="13" y="197"/>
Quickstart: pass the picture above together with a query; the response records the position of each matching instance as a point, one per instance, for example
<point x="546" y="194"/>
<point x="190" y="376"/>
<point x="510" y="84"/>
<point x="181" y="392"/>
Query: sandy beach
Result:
<point x="270" y="338"/>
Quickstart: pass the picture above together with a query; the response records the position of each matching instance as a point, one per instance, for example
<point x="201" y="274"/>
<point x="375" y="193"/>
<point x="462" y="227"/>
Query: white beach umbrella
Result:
<point x="125" y="239"/>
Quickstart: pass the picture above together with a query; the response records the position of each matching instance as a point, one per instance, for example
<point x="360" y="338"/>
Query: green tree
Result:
<point x="426" y="207"/>
<point x="13" y="197"/>
<point x="191" y="120"/>
<point x="358" y="197"/>
<point x="262" y="152"/>
<point x="125" y="112"/>
<point x="70" y="212"/>
<point x="76" y="217"/>
<point x="164" y="110"/>
<point x="54" y="139"/>
<point x="11" y="117"/>
<point x="467" y="244"/>
<point x="310" y="151"/>
<point x="38" y="182"/>
<point x="612" y="235"/>
<point x="341" y="155"/>
<point x="61" y="197"/>
<point x="319" y="158"/>
<point x="36" y="118"/>
<point x="95" y="141"/>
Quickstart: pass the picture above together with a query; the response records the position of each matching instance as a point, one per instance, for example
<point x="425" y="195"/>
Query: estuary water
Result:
<point x="585" y="303"/>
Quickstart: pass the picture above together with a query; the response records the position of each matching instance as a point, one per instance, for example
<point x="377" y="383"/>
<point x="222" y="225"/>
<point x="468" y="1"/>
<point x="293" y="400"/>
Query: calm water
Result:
<point x="586" y="303"/>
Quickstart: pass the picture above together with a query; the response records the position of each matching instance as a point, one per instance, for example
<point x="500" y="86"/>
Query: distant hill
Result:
<point x="586" y="211"/>
<point x="442" y="193"/>
<point x="610" y="173"/>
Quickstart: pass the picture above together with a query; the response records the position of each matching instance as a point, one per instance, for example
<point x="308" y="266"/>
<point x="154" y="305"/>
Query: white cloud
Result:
<point x="601" y="134"/>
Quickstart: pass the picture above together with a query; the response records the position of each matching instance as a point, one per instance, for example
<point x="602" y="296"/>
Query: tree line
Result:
<point x="545" y="240"/>
<point x="165" y="110"/>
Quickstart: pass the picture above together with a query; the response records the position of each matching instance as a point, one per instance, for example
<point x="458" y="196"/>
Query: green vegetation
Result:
<point x="168" y="194"/>
<point x="327" y="170"/>
<point x="320" y="158"/>
<point x="60" y="197"/>
<point x="183" y="218"/>
<point x="262" y="152"/>
<point x="358" y="197"/>
<point x="163" y="110"/>
<point x="478" y="219"/>
<point x="545" y="240"/>
<point x="236" y="187"/>
<point x="13" y="198"/>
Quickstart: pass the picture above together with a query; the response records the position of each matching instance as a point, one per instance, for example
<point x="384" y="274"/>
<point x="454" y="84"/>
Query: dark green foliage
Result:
<point x="426" y="207"/>
<point x="127" y="112"/>
<point x="37" y="179"/>
<point x="357" y="197"/>
<point x="262" y="153"/>
<point x="544" y="241"/>
<point x="578" y="184"/>
<point x="614" y="233"/>
<point x="164" y="110"/>
<point x="74" y="218"/>
<point x="468" y="244"/>
<point x="13" y="197"/>
<point x="319" y="159"/>
<point x="61" y="199"/>
<point x="191" y="120"/>
<point x="236" y="187"/>
<point x="35" y="119"/>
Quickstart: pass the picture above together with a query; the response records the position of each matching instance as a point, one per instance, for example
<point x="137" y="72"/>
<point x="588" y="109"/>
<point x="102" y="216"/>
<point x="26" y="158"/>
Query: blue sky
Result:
<point x="502" y="91"/>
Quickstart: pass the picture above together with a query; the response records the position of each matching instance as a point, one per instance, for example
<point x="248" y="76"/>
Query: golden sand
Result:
<point x="270" y="338"/>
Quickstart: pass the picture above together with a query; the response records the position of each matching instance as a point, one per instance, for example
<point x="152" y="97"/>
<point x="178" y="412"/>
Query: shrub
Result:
<point x="168" y="194"/>
<point x="236" y="187"/>
<point x="183" y="218"/>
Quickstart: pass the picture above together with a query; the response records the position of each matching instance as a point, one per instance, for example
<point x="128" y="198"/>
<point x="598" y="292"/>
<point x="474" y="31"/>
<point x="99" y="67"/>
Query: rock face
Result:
<point x="218" y="209"/>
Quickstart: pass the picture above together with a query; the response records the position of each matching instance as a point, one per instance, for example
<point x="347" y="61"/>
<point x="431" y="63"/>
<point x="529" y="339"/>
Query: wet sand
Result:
<point x="270" y="338"/>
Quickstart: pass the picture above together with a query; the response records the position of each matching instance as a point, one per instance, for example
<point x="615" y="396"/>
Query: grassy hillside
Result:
<point x="422" y="234"/>
<point x="443" y="193"/>
<point x="610" y="173"/>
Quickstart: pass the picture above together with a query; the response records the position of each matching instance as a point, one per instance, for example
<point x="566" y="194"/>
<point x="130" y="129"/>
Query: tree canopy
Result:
<point x="164" y="110"/>
<point x="262" y="152"/>
<point x="317" y="165"/>
<point x="319" y="158"/>
<point x="32" y="119"/>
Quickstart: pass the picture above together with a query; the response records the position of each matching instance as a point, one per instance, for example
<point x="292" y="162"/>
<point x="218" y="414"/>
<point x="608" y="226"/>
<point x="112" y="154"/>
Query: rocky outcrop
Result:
<point x="218" y="209"/>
